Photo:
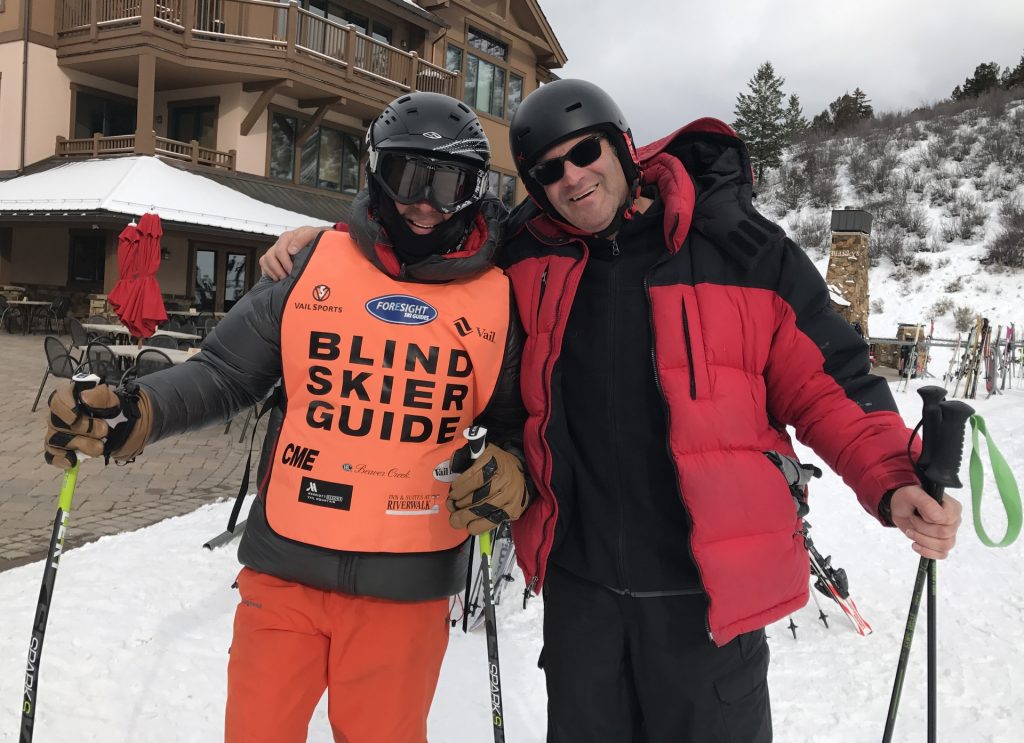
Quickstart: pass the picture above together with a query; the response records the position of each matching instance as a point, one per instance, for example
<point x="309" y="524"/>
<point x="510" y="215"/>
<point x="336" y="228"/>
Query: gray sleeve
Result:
<point x="240" y="362"/>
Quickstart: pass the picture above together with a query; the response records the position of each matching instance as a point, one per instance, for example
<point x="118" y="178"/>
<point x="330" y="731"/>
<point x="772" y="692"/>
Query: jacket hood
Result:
<point x="476" y="254"/>
<point x="702" y="171"/>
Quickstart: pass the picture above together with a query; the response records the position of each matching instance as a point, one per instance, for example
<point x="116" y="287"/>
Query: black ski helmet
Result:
<point x="432" y="125"/>
<point x="560" y="110"/>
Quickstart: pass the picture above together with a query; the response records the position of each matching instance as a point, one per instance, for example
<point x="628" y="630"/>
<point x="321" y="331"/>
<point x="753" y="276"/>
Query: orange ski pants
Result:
<point x="378" y="660"/>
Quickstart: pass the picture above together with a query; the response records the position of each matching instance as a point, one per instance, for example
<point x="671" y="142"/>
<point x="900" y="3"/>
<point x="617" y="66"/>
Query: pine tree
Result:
<point x="761" y="119"/>
<point x="845" y="111"/>
<point x="985" y="78"/>
<point x="795" y="123"/>
<point x="1015" y="76"/>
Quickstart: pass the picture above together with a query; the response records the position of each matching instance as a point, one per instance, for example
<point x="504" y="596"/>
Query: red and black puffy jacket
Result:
<point x="745" y="343"/>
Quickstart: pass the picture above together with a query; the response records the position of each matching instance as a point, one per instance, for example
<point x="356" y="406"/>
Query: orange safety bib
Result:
<point x="381" y="377"/>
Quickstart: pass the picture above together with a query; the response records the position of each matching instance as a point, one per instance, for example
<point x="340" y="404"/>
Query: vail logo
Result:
<point x="464" y="328"/>
<point x="321" y="292"/>
<point x="443" y="472"/>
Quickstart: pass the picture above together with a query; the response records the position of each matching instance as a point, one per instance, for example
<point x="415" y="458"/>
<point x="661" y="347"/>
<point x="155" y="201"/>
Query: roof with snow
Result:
<point x="139" y="184"/>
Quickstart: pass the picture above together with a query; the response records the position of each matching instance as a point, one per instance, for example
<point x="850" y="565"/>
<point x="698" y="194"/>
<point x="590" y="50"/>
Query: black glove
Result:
<point x="490" y="490"/>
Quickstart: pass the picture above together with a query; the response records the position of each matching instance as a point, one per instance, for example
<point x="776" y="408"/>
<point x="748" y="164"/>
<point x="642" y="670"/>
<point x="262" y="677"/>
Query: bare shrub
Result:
<point x="876" y="306"/>
<point x="963" y="318"/>
<point x="812" y="233"/>
<point x="969" y="215"/>
<point x="940" y="308"/>
<point x="888" y="241"/>
<point x="791" y="186"/>
<point x="1007" y="248"/>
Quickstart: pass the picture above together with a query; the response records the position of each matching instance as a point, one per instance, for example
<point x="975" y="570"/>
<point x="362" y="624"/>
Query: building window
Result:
<point x="329" y="158"/>
<point x="106" y="116"/>
<point x="487" y="44"/>
<point x="515" y="93"/>
<point x="453" y="59"/>
<point x="485" y="86"/>
<point x="485" y="77"/>
<point x="502" y="186"/>
<point x="87" y="255"/>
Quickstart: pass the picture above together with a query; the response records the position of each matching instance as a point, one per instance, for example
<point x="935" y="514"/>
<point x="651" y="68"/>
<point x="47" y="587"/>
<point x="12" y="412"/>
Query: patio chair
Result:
<point x="102" y="362"/>
<point x="98" y="320"/>
<point x="161" y="341"/>
<point x="8" y="314"/>
<point x="171" y="325"/>
<point x="210" y="324"/>
<point x="80" y="337"/>
<point x="59" y="363"/>
<point x="148" y="361"/>
<point x="57" y="312"/>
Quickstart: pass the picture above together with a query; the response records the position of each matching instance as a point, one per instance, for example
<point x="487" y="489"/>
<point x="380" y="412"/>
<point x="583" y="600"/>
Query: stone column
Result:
<point x="847" y="274"/>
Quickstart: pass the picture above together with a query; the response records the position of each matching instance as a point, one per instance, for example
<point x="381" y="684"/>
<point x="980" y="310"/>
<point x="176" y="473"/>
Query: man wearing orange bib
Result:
<point x="387" y="340"/>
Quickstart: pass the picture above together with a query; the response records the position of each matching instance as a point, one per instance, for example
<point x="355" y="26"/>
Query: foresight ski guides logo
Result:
<point x="401" y="309"/>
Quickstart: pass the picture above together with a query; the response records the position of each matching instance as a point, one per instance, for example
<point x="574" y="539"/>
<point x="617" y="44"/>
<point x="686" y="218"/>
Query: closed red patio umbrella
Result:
<point x="136" y="295"/>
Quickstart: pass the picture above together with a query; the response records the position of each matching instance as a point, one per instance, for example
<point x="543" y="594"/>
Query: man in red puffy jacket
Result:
<point x="672" y="335"/>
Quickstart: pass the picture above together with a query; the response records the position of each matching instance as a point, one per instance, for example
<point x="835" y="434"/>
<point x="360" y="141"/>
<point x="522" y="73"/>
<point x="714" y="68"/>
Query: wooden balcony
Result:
<point x="125" y="144"/>
<point x="252" y="36"/>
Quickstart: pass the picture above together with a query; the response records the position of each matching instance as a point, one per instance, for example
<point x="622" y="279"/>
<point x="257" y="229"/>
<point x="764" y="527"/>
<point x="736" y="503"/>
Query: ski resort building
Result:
<point x="231" y="119"/>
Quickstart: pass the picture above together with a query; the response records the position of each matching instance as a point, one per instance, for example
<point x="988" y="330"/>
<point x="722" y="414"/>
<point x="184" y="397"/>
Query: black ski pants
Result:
<point x="642" y="670"/>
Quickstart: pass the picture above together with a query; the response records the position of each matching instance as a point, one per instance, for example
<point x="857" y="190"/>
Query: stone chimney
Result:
<point x="847" y="275"/>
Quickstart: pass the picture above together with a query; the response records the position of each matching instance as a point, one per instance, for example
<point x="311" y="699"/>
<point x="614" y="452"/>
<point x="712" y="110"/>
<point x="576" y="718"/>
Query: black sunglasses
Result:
<point x="581" y="154"/>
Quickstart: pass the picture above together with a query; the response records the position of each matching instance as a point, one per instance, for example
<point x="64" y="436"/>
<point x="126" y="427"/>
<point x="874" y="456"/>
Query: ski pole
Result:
<point x="941" y="452"/>
<point x="60" y="524"/>
<point x="477" y="442"/>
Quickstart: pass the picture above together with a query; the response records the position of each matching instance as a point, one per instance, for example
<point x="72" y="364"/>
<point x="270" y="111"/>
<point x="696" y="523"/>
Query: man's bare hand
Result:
<point x="930" y="526"/>
<point x="276" y="263"/>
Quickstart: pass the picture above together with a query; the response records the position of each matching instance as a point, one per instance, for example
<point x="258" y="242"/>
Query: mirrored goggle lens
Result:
<point x="583" y="153"/>
<point x="411" y="179"/>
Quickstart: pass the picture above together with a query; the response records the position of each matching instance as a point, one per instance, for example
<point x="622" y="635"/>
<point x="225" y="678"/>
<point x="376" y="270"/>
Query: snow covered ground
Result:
<point x="136" y="647"/>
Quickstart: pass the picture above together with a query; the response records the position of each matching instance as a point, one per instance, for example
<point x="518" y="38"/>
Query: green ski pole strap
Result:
<point x="1005" y="483"/>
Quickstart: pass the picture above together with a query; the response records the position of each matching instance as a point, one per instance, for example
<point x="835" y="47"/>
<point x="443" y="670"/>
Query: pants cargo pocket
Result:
<point x="743" y="692"/>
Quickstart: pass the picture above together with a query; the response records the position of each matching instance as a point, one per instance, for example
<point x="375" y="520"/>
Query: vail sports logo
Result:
<point x="321" y="292"/>
<point x="401" y="309"/>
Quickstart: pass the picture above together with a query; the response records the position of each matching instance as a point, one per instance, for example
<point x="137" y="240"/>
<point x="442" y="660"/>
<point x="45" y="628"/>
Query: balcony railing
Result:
<point x="121" y="144"/>
<point x="263" y="25"/>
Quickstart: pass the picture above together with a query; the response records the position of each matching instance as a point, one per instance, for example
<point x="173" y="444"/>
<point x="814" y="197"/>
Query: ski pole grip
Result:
<point x="948" y="448"/>
<point x="477" y="437"/>
<point x="81" y="382"/>
<point x="931" y="423"/>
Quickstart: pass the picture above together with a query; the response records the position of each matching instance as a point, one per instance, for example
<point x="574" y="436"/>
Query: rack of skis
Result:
<point x="992" y="356"/>
<point x="989" y="358"/>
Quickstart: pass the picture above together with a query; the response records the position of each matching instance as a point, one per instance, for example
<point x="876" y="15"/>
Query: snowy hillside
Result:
<point x="945" y="189"/>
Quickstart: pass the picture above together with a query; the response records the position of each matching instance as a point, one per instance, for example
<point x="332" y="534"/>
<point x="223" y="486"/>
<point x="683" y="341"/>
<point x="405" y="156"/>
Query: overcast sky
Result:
<point x="668" y="62"/>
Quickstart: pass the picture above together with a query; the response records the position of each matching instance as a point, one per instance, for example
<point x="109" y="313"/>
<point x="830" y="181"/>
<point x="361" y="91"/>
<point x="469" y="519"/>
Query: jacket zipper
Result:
<point x="621" y="551"/>
<point x="668" y="444"/>
<point x="534" y="579"/>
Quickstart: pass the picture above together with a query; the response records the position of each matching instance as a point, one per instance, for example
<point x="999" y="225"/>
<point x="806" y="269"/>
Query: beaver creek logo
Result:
<point x="401" y="309"/>
<point x="321" y="292"/>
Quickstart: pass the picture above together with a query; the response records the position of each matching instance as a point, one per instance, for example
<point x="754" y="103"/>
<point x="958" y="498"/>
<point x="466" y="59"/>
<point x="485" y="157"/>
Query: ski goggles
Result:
<point x="446" y="186"/>
<point x="581" y="154"/>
